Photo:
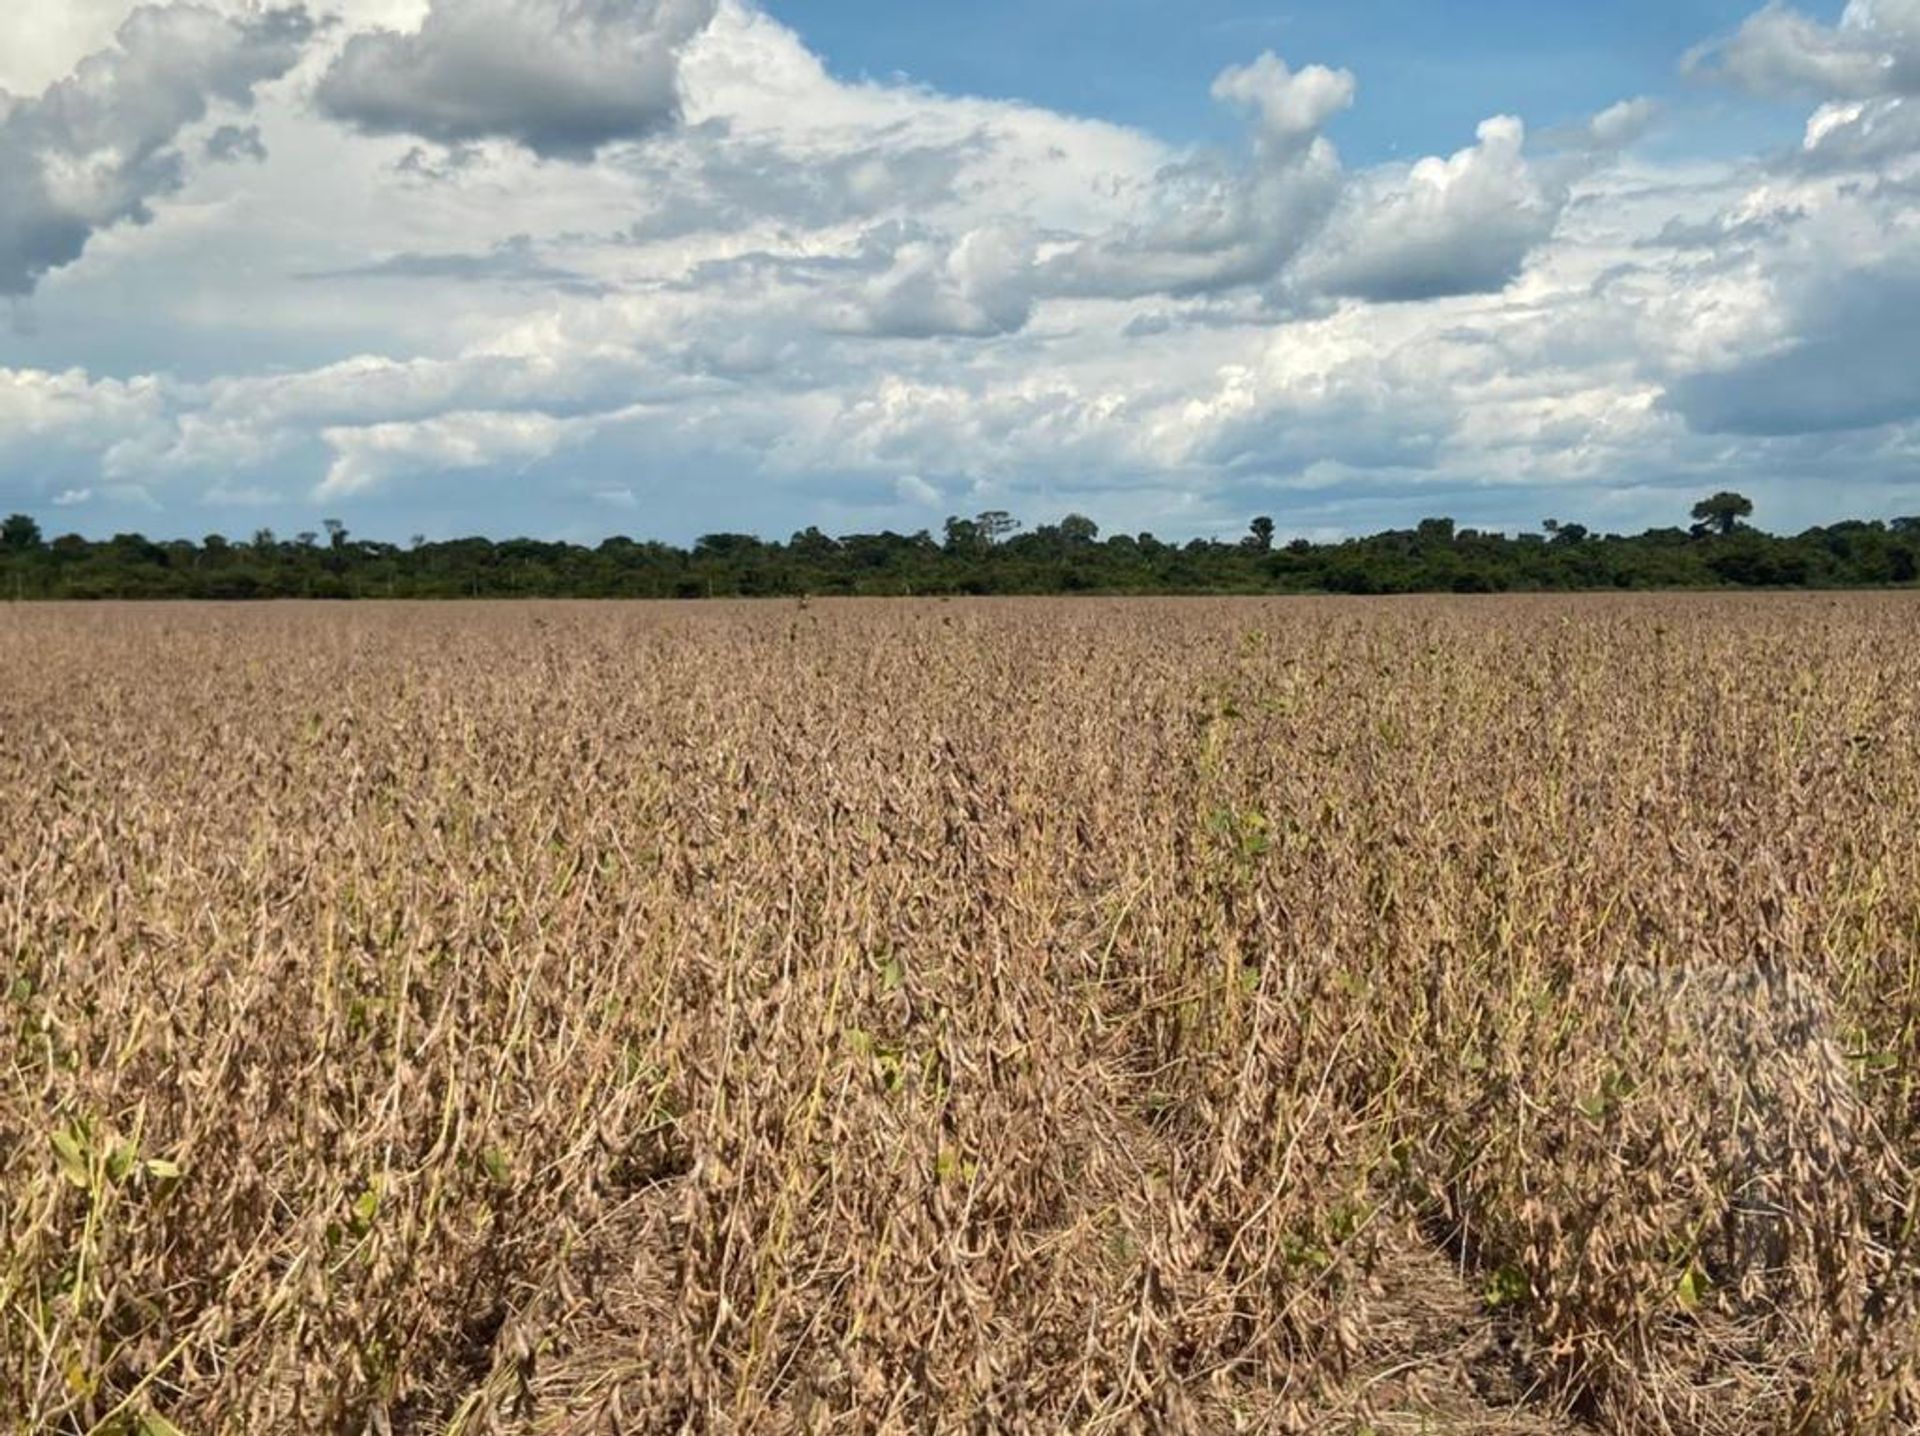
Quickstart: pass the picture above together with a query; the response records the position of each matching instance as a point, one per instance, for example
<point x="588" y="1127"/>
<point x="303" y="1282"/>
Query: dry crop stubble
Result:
<point x="1443" y="1015"/>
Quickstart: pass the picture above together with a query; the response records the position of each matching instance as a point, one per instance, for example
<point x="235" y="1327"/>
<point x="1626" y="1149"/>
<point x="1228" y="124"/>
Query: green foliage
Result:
<point x="1506" y="1286"/>
<point x="1722" y="513"/>
<point x="990" y="553"/>
<point x="19" y="534"/>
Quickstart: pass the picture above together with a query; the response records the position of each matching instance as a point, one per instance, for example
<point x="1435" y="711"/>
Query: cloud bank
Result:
<point x="98" y="146"/>
<point x="547" y="265"/>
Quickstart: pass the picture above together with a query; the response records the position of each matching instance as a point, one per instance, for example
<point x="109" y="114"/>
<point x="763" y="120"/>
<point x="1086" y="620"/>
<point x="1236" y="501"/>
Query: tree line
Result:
<point x="991" y="553"/>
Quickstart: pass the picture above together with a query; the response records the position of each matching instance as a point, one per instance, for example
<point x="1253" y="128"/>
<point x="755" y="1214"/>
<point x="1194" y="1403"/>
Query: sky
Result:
<point x="571" y="268"/>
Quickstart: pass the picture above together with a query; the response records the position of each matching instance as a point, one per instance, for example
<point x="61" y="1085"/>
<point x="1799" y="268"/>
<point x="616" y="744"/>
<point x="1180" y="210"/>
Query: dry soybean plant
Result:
<point x="1311" y="1015"/>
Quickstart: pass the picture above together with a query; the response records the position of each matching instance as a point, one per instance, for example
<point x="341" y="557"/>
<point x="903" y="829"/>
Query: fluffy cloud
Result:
<point x="96" y="147"/>
<point x="1620" y="125"/>
<point x="370" y="455"/>
<point x="976" y="285"/>
<point x="59" y="432"/>
<point x="1211" y="227"/>
<point x="562" y="77"/>
<point x="40" y="44"/>
<point x="1843" y="361"/>
<point x="1291" y="108"/>
<point x="1866" y="68"/>
<point x="1862" y="134"/>
<point x="1461" y="225"/>
<point x="1293" y="220"/>
<point x="38" y="408"/>
<point x="1820" y="258"/>
<point x="1873" y="51"/>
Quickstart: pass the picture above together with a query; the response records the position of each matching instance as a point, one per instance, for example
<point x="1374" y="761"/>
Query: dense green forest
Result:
<point x="988" y="554"/>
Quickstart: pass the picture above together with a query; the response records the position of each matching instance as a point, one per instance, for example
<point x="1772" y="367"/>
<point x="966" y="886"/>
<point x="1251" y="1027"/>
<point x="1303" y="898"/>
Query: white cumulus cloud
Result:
<point x="562" y="77"/>
<point x="96" y="147"/>
<point x="1873" y="51"/>
<point x="367" y="456"/>
<point x="1460" y="225"/>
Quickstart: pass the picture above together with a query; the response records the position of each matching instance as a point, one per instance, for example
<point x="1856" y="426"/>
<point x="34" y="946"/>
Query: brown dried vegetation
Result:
<point x="1176" y="1016"/>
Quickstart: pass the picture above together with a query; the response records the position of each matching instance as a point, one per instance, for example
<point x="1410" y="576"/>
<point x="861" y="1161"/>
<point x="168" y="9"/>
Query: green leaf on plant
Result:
<point x="121" y="1159"/>
<point x="499" y="1169"/>
<point x="70" y="1151"/>
<point x="1693" y="1289"/>
<point x="1507" y="1287"/>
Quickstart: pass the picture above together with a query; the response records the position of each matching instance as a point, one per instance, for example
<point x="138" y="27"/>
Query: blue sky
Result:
<point x="1428" y="69"/>
<point x="577" y="267"/>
